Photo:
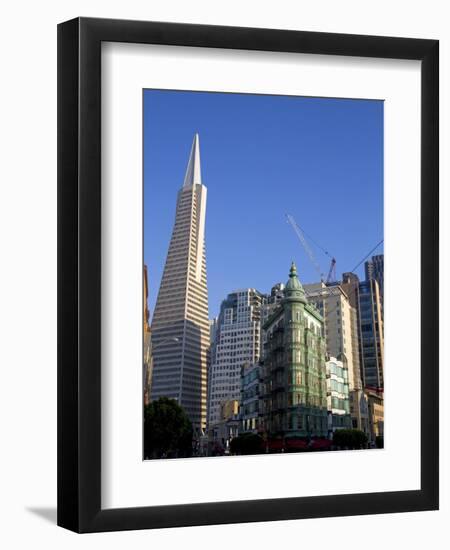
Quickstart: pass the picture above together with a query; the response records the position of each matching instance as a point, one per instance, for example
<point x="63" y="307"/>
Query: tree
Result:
<point x="247" y="444"/>
<point x="167" y="430"/>
<point x="350" y="439"/>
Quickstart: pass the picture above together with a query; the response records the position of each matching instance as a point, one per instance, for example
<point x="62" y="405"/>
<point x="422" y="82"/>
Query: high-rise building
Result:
<point x="270" y="304"/>
<point x="372" y="339"/>
<point x="180" y="324"/>
<point x="350" y="285"/>
<point x="237" y="343"/>
<point x="272" y="301"/>
<point x="340" y="326"/>
<point x="213" y="330"/>
<point x="341" y="336"/>
<point x="365" y="296"/>
<point x="147" y="341"/>
<point x="374" y="269"/>
<point x="294" y="373"/>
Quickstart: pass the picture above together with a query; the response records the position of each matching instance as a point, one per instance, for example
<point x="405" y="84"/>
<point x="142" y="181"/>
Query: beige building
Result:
<point x="228" y="427"/>
<point x="366" y="297"/>
<point x="180" y="324"/>
<point x="341" y="338"/>
<point x="375" y="403"/>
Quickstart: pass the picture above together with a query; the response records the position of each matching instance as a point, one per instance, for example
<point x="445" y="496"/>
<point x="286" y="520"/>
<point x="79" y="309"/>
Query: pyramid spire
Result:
<point x="193" y="174"/>
<point x="180" y="369"/>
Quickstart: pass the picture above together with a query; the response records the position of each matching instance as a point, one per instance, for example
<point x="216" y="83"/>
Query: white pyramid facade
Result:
<point x="180" y="325"/>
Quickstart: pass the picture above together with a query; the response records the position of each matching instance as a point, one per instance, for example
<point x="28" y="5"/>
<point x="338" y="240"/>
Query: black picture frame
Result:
<point x="79" y="274"/>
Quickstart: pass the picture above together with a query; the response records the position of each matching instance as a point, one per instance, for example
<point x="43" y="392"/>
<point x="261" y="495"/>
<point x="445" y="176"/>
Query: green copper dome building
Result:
<point x="294" y="372"/>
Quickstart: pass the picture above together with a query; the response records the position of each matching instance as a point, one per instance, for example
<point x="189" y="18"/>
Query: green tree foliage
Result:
<point x="167" y="430"/>
<point x="247" y="444"/>
<point x="350" y="439"/>
<point x="379" y="442"/>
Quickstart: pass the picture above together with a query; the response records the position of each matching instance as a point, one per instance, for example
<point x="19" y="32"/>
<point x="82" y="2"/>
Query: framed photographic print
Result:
<point x="247" y="275"/>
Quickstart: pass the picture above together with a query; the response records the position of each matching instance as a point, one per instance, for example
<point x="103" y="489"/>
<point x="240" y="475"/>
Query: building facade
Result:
<point x="365" y="298"/>
<point x="272" y="301"/>
<point x="374" y="269"/>
<point x="225" y="429"/>
<point x="375" y="402"/>
<point x="372" y="334"/>
<point x="250" y="409"/>
<point x="340" y="326"/>
<point x="294" y="372"/>
<point x="180" y="324"/>
<point x="237" y="343"/>
<point x="338" y="400"/>
<point x="342" y="338"/>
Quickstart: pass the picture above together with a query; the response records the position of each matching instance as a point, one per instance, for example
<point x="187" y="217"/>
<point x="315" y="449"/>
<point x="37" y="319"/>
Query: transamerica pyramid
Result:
<point x="180" y="326"/>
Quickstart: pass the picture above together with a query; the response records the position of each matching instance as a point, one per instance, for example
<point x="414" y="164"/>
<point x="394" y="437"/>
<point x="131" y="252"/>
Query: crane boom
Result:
<point x="305" y="245"/>
<point x="331" y="278"/>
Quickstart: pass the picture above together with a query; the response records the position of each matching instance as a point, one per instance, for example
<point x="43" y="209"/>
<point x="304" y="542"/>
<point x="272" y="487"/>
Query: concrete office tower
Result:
<point x="372" y="334"/>
<point x="270" y="303"/>
<point x="237" y="344"/>
<point x="374" y="269"/>
<point x="180" y="325"/>
<point x="367" y="299"/>
<point x="340" y="326"/>
<point x="342" y="338"/>
<point x="350" y="285"/>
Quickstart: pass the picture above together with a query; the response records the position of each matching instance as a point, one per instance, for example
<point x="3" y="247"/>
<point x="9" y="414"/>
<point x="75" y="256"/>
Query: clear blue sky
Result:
<point x="319" y="159"/>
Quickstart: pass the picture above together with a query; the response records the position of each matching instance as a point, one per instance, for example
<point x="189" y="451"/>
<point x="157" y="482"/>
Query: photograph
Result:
<point x="263" y="274"/>
<point x="228" y="197"/>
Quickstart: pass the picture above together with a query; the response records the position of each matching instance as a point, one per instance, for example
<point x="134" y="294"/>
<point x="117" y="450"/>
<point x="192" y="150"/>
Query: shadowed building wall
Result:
<point x="148" y="362"/>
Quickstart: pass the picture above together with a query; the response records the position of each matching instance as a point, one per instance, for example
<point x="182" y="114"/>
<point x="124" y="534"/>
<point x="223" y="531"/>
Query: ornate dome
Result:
<point x="294" y="290"/>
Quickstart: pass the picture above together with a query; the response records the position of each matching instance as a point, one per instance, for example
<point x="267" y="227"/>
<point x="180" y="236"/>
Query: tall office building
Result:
<point x="340" y="326"/>
<point x="372" y="339"/>
<point x="342" y="337"/>
<point x="180" y="325"/>
<point x="237" y="343"/>
<point x="374" y="269"/>
<point x="366" y="297"/>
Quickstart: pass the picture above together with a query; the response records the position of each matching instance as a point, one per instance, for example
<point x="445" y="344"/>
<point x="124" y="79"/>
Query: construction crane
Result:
<point x="305" y="245"/>
<point x="331" y="277"/>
